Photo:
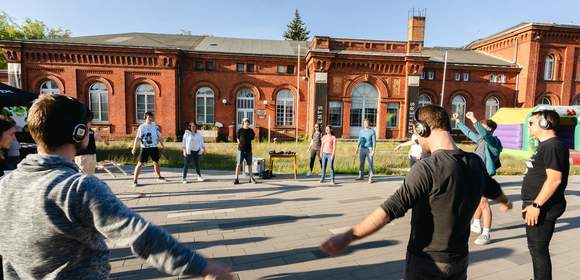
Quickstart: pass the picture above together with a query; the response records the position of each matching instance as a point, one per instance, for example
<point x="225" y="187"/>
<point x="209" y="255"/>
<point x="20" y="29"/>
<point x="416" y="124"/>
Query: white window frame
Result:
<point x="431" y="75"/>
<point x="422" y="75"/>
<point x="466" y="76"/>
<point x="421" y="103"/>
<point x="335" y="105"/>
<point x="103" y="97"/>
<point x="284" y="105"/>
<point x="491" y="108"/>
<point x="281" y="69"/>
<point x="549" y="64"/>
<point x="576" y="101"/>
<point x="457" y="76"/>
<point x="544" y="100"/>
<point x="148" y="107"/>
<point x="393" y="106"/>
<point x="459" y="105"/>
<point x="49" y="87"/>
<point x="501" y="78"/>
<point x="207" y="97"/>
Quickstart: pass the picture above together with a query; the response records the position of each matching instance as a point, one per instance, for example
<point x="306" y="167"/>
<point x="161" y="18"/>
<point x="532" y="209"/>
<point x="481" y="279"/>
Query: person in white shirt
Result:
<point x="415" y="152"/>
<point x="150" y="137"/>
<point x="193" y="147"/>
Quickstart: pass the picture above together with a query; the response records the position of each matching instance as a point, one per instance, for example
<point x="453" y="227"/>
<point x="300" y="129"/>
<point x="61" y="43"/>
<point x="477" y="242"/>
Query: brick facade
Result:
<point x="176" y="75"/>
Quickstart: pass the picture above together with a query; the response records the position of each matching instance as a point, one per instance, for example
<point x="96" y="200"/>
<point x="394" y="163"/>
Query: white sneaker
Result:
<point x="200" y="179"/>
<point x="184" y="181"/>
<point x="483" y="239"/>
<point x="476" y="228"/>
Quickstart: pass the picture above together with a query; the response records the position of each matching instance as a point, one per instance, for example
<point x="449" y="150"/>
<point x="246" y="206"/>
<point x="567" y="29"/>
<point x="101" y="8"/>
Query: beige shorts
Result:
<point x="87" y="163"/>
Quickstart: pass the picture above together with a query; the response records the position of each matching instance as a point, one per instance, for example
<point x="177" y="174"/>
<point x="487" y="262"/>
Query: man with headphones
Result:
<point x="443" y="190"/>
<point x="54" y="219"/>
<point x="543" y="189"/>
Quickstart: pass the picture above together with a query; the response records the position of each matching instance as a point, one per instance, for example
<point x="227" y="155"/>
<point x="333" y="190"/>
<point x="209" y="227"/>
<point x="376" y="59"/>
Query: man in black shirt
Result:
<point x="543" y="189"/>
<point x="444" y="190"/>
<point x="245" y="136"/>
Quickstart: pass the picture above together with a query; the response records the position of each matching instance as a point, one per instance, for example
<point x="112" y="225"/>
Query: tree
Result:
<point x="296" y="29"/>
<point x="29" y="30"/>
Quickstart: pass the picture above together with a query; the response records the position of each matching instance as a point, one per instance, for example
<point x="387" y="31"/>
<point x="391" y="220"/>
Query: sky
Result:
<point x="450" y="23"/>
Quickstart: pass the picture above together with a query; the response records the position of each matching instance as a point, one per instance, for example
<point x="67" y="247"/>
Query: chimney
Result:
<point x="416" y="28"/>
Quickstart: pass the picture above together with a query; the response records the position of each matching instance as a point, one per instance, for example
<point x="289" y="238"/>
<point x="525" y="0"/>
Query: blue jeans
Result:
<point x="327" y="157"/>
<point x="365" y="153"/>
<point x="187" y="159"/>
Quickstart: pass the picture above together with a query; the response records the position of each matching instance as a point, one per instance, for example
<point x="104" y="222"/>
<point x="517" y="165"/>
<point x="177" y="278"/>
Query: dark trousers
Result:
<point x="314" y="155"/>
<point x="187" y="159"/>
<point x="539" y="237"/>
<point x="422" y="268"/>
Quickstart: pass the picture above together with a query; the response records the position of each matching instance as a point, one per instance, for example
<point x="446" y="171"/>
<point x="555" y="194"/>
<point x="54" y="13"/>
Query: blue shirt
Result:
<point x="367" y="138"/>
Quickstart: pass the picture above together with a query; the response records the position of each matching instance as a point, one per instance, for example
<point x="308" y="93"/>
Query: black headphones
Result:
<point x="543" y="121"/>
<point x="79" y="127"/>
<point x="421" y="128"/>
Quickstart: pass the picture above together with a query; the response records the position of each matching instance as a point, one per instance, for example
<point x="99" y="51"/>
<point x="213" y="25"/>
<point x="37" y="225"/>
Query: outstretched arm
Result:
<point x="369" y="225"/>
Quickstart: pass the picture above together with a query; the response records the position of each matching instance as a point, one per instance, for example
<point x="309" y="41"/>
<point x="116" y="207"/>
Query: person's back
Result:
<point x="454" y="184"/>
<point x="40" y="211"/>
<point x="54" y="220"/>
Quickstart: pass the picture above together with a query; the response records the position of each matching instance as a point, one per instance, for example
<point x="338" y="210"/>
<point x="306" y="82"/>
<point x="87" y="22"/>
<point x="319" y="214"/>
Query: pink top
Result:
<point x="328" y="142"/>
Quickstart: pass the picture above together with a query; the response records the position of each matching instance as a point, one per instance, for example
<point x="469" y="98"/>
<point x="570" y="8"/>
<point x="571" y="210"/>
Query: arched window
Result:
<point x="458" y="106"/>
<point x="576" y="101"/>
<point x="204" y="106"/>
<point x="491" y="106"/>
<point x="424" y="100"/>
<point x="145" y="101"/>
<point x="549" y="68"/>
<point x="363" y="105"/>
<point x="545" y="101"/>
<point x="49" y="87"/>
<point x="284" y="108"/>
<point x="244" y="107"/>
<point x="99" y="101"/>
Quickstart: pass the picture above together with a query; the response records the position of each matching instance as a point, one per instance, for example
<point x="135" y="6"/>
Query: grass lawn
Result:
<point x="222" y="156"/>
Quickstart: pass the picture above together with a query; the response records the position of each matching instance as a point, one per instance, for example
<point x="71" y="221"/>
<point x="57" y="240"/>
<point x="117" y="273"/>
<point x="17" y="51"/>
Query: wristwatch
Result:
<point x="536" y="205"/>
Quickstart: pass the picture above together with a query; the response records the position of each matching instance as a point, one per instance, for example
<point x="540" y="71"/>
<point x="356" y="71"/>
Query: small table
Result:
<point x="284" y="156"/>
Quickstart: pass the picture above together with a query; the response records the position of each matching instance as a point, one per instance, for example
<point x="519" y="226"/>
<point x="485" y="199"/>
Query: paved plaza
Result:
<point x="272" y="230"/>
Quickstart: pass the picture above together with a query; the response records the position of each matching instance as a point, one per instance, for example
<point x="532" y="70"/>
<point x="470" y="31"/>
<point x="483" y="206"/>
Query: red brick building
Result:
<point x="340" y="82"/>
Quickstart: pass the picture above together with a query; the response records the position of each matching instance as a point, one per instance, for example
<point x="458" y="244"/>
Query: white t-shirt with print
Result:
<point x="149" y="135"/>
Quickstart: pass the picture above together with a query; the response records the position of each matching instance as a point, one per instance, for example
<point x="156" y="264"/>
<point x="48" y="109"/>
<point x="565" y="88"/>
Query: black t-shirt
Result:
<point x="91" y="149"/>
<point x="245" y="135"/>
<point x="551" y="154"/>
<point x="443" y="190"/>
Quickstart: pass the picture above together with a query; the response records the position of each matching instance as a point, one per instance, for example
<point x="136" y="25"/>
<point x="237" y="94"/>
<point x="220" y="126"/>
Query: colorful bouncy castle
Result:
<point x="512" y="128"/>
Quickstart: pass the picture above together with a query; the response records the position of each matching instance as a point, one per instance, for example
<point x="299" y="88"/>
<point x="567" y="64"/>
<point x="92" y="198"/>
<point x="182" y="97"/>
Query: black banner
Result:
<point x="412" y="98"/>
<point x="320" y="103"/>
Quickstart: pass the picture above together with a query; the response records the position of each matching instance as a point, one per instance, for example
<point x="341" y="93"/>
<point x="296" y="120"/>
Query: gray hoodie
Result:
<point x="54" y="221"/>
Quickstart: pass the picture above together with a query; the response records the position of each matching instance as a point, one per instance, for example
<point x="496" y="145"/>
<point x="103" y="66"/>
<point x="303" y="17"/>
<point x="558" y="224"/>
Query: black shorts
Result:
<point x="149" y="152"/>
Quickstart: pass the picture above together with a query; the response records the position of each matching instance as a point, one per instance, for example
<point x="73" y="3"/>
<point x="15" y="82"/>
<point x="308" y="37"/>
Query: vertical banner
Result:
<point x="321" y="93"/>
<point x="412" y="98"/>
<point x="15" y="75"/>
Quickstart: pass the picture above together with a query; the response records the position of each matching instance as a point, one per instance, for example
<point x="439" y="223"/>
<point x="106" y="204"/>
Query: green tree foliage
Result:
<point x="296" y="29"/>
<point x="29" y="30"/>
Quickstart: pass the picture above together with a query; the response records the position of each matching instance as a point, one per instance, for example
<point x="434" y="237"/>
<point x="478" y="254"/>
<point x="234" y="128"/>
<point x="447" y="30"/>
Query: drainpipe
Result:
<point x="515" y="61"/>
<point x="178" y="70"/>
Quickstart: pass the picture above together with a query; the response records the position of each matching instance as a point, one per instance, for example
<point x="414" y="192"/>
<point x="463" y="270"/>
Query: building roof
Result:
<point x="199" y="43"/>
<point x="520" y="26"/>
<point x="464" y="57"/>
